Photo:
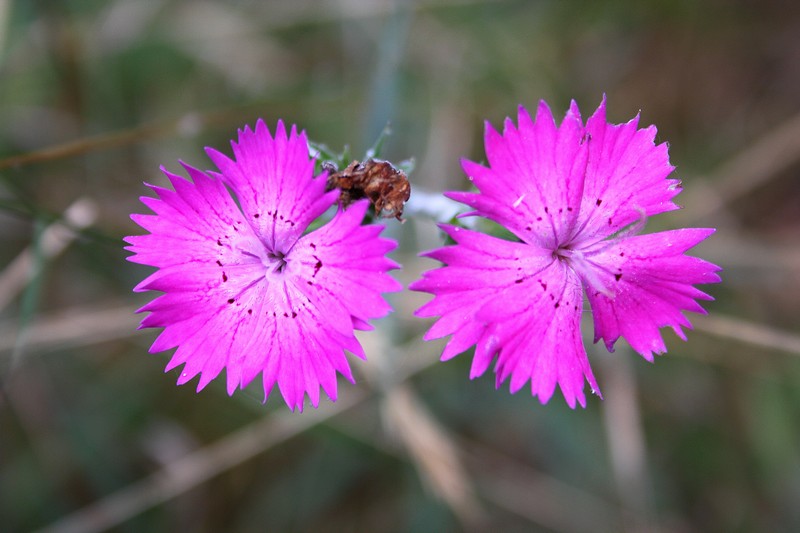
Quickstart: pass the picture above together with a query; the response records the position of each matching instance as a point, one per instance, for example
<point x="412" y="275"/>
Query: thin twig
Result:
<point x="511" y="485"/>
<point x="749" y="169"/>
<point x="626" y="442"/>
<point x="428" y="444"/>
<point x="750" y="332"/>
<point x="72" y="327"/>
<point x="55" y="238"/>
<point x="541" y="499"/>
<point x="212" y="460"/>
<point x="197" y="467"/>
<point x="189" y="123"/>
<point x="433" y="452"/>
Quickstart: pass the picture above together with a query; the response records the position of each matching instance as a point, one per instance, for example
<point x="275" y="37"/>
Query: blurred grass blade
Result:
<point x="747" y="331"/>
<point x="24" y="273"/>
<point x="31" y="291"/>
<point x="195" y="468"/>
<point x="433" y="453"/>
<point x="54" y="239"/>
<point x="377" y="147"/>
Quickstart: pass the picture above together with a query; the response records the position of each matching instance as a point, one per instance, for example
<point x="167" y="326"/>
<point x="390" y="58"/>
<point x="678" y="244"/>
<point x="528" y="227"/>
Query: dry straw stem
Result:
<point x="743" y="255"/>
<point x="187" y="125"/>
<point x="210" y="461"/>
<point x="742" y="330"/>
<point x="197" y="467"/>
<point x="73" y="327"/>
<point x="5" y="9"/>
<point x="751" y="168"/>
<point x="55" y="238"/>
<point x="516" y="487"/>
<point x="537" y="497"/>
<point x="427" y="442"/>
<point x="433" y="452"/>
<point x="627" y="448"/>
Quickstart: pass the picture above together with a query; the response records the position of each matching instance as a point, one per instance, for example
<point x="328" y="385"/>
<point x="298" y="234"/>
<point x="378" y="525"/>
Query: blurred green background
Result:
<point x="96" y="95"/>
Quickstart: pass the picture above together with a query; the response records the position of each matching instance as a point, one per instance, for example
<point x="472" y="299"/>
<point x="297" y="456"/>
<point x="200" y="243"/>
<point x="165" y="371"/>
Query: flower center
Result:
<point x="276" y="262"/>
<point x="564" y="253"/>
<point x="576" y="260"/>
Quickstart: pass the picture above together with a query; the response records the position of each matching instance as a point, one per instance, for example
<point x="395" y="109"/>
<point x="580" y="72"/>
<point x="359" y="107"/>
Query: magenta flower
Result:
<point x="574" y="196"/>
<point x="245" y="287"/>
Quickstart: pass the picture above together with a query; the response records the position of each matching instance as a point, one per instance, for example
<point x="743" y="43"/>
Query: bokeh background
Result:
<point x="96" y="95"/>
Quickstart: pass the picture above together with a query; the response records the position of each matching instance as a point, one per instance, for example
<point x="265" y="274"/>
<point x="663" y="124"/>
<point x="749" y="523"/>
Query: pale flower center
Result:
<point x="583" y="267"/>
<point x="276" y="262"/>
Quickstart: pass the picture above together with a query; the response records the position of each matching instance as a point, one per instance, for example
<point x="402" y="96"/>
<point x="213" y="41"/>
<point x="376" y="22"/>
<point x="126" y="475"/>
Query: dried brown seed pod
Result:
<point x="385" y="185"/>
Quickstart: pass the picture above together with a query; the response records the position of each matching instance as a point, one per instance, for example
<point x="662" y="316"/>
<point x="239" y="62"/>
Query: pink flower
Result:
<point x="574" y="196"/>
<point x="246" y="287"/>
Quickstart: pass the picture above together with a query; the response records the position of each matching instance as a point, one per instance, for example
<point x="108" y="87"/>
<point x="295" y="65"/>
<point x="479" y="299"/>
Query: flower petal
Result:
<point x="260" y="297"/>
<point x="569" y="192"/>
<point x="625" y="176"/>
<point x="539" y="340"/>
<point x="197" y="223"/>
<point x="534" y="183"/>
<point x="273" y="178"/>
<point x="517" y="304"/>
<point x="652" y="283"/>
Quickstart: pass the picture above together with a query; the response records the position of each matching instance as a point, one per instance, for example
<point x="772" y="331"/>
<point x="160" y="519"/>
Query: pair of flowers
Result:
<point x="248" y="289"/>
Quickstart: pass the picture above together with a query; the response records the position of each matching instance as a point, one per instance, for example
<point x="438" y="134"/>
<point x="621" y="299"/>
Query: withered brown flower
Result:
<point x="385" y="185"/>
